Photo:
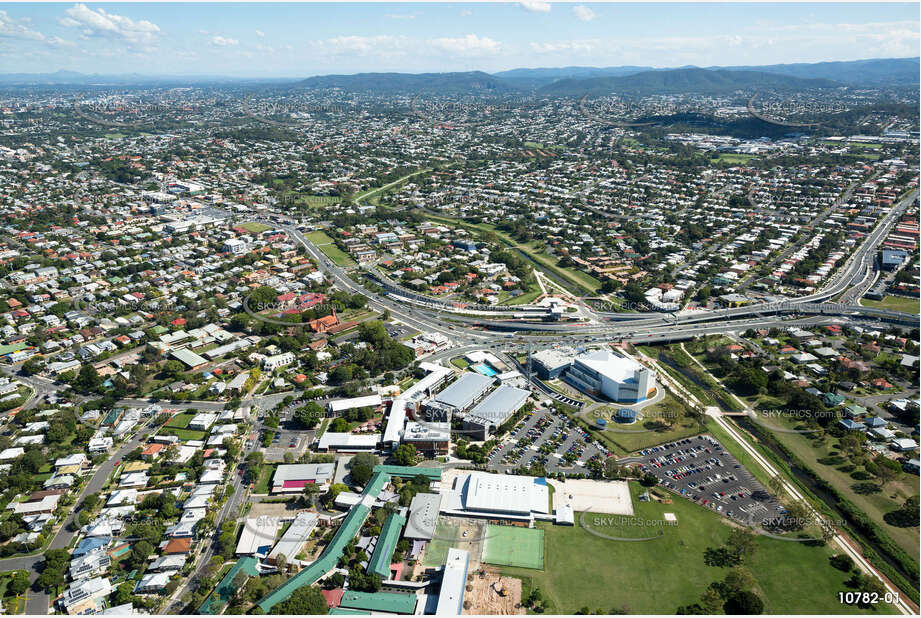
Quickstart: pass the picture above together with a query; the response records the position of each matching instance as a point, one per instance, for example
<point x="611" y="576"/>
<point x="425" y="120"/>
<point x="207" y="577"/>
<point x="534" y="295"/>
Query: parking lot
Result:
<point x="699" y="469"/>
<point x="548" y="439"/>
<point x="287" y="441"/>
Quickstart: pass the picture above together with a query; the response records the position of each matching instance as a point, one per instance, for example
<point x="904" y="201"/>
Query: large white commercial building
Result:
<point x="496" y="408"/>
<point x="481" y="494"/>
<point x="620" y="379"/>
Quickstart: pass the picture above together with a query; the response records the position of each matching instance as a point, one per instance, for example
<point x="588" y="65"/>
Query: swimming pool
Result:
<point x="485" y="369"/>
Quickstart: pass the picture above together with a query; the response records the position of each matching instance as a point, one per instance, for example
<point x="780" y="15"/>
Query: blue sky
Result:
<point x="298" y="40"/>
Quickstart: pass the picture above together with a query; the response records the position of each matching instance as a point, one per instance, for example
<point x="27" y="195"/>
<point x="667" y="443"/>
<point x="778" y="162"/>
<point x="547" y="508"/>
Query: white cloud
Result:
<point x="57" y="41"/>
<point x="17" y="29"/>
<point x="220" y="41"/>
<point x="814" y="42"/>
<point x="101" y="24"/>
<point x="400" y="16"/>
<point x="537" y="6"/>
<point x="583" y="13"/>
<point x="466" y="13"/>
<point x="582" y="46"/>
<point x="260" y="34"/>
<point x="470" y="45"/>
<point x="364" y="45"/>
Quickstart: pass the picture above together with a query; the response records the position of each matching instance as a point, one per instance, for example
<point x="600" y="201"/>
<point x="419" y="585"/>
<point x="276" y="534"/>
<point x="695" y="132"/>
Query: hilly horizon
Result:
<point x="696" y="81"/>
<point x="556" y="81"/>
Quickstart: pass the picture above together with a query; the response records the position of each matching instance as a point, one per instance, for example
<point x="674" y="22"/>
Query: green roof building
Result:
<point x="410" y="472"/>
<point x="328" y="560"/>
<point x="390" y="602"/>
<point x="386" y="545"/>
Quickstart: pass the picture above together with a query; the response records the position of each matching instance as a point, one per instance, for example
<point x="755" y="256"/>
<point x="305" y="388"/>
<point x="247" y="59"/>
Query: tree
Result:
<point x="776" y="484"/>
<point x="309" y="415"/>
<point x="32" y="366"/>
<point x="887" y="470"/>
<point x="405" y="455"/>
<point x="336" y="580"/>
<point x="311" y="490"/>
<point x="19" y="583"/>
<point x="172" y="369"/>
<point x="797" y="516"/>
<point x="88" y="379"/>
<point x="254" y="459"/>
<point x="906" y="516"/>
<point x="122" y="594"/>
<point x="742" y="543"/>
<point x="139" y="553"/>
<point x="334" y="490"/>
<point x="737" y="579"/>
<point x="304" y="601"/>
<point x="361" y="467"/>
<point x="842" y="562"/>
<point x="744" y="602"/>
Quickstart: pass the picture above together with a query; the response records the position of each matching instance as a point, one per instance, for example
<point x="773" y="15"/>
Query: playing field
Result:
<point x="515" y="546"/>
<point x="254" y="227"/>
<point x="896" y="303"/>
<point x="437" y="551"/>
<point x="669" y="569"/>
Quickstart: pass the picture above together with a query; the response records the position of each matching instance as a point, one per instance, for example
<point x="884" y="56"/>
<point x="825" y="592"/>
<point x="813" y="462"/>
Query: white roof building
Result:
<point x="503" y="493"/>
<point x="453" y="583"/>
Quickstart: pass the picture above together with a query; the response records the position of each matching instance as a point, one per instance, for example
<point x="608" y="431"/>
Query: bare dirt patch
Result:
<point x="483" y="594"/>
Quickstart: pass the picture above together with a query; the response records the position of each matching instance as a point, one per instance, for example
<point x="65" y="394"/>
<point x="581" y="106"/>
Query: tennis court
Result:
<point x="515" y="546"/>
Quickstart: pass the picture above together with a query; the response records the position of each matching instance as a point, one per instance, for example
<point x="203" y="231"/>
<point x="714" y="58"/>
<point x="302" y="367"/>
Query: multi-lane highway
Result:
<point x="849" y="281"/>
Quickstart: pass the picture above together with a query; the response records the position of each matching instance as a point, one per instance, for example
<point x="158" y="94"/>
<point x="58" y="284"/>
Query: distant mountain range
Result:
<point x="414" y="83"/>
<point x="562" y="81"/>
<point x="633" y="80"/>
<point x="696" y="81"/>
<point x="890" y="72"/>
<point x="885" y="72"/>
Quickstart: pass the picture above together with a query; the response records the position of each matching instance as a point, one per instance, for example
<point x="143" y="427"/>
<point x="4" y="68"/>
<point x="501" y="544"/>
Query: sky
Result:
<point x="300" y="40"/>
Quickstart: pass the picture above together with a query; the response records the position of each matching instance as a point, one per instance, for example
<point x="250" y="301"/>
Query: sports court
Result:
<point x="457" y="532"/>
<point x="514" y="546"/>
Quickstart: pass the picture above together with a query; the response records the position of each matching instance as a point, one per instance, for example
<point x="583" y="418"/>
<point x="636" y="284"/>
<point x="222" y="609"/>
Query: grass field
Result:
<point x="638" y="436"/>
<point x="515" y="546"/>
<point x="896" y="303"/>
<point x="522" y="299"/>
<point x="874" y="505"/>
<point x="265" y="477"/>
<point x="180" y="421"/>
<point x="729" y="157"/>
<point x="327" y="246"/>
<point x="437" y="551"/>
<point x="856" y="145"/>
<point x="183" y="434"/>
<point x="254" y="227"/>
<point x="659" y="575"/>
